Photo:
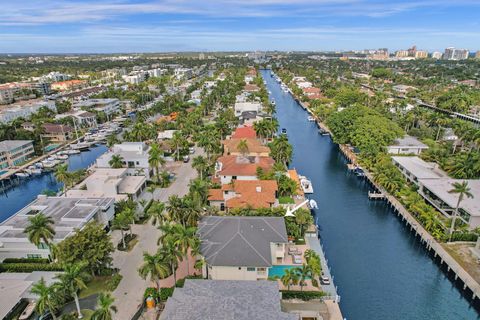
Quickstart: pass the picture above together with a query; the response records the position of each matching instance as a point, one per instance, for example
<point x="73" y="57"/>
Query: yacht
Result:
<point x="22" y="175"/>
<point x="61" y="156"/>
<point x="284" y="131"/>
<point x="312" y="204"/>
<point x="311" y="119"/>
<point x="306" y="185"/>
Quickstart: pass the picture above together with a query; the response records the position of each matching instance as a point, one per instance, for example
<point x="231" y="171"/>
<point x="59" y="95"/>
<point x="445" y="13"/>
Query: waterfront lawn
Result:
<point x="462" y="254"/>
<point x="100" y="284"/>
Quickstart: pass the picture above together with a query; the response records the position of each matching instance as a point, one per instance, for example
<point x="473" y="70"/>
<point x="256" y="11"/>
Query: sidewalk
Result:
<point x="129" y="294"/>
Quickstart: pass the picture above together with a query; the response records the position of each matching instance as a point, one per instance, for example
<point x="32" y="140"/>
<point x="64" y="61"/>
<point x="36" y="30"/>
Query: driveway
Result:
<point x="129" y="293"/>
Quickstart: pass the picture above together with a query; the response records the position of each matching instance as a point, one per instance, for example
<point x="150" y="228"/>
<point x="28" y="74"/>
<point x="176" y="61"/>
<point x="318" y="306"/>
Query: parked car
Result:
<point x="325" y="280"/>
<point x="191" y="150"/>
<point x="186" y="159"/>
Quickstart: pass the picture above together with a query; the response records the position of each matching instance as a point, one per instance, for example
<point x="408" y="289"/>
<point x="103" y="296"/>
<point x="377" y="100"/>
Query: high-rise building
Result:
<point x="412" y="51"/>
<point x="437" y="55"/>
<point x="452" y="53"/>
<point x="420" y="54"/>
<point x="401" y="53"/>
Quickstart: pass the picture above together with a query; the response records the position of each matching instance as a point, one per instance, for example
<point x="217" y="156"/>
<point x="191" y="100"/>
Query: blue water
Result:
<point x="279" y="270"/>
<point x="381" y="270"/>
<point x="18" y="197"/>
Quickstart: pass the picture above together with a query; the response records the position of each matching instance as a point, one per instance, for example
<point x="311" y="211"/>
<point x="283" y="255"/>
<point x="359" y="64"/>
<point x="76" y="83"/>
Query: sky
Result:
<point x="109" y="26"/>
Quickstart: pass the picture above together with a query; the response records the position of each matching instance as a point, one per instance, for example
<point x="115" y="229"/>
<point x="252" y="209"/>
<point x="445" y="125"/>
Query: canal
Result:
<point x="381" y="270"/>
<point x="19" y="196"/>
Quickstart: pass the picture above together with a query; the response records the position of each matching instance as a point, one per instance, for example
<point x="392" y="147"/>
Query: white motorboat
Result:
<point x="38" y="165"/>
<point x="306" y="185"/>
<point x="22" y="174"/>
<point x="62" y="156"/>
<point x="34" y="170"/>
<point x="311" y="119"/>
<point x="82" y="146"/>
<point x="70" y="152"/>
<point x="312" y="204"/>
<point x="49" y="164"/>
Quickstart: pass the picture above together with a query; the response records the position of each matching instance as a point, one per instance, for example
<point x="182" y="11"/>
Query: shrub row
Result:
<point x="25" y="260"/>
<point x="29" y="267"/>
<point x="303" y="295"/>
<point x="464" y="236"/>
<point x="113" y="283"/>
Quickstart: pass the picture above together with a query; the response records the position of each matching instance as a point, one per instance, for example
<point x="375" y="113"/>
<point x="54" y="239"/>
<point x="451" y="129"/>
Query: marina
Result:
<point x="383" y="270"/>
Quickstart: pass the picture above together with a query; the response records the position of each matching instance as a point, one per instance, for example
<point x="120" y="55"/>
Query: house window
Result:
<point x="42" y="245"/>
<point x="222" y="206"/>
<point x="239" y="268"/>
<point x="250" y="268"/>
<point x="137" y="163"/>
<point x="234" y="177"/>
<point x="34" y="256"/>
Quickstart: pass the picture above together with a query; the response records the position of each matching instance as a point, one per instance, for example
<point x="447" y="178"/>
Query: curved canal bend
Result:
<point x="19" y="196"/>
<point x="381" y="270"/>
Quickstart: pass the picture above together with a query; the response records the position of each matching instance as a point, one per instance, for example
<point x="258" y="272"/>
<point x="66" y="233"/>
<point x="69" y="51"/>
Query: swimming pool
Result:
<point x="279" y="270"/>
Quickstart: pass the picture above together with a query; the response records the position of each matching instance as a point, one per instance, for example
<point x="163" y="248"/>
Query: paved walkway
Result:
<point x="129" y="293"/>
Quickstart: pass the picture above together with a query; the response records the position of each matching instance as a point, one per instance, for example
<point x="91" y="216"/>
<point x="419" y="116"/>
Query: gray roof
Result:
<point x="240" y="241"/>
<point x="419" y="168"/>
<point x="409" y="141"/>
<point x="8" y="145"/>
<point x="440" y="188"/>
<point x="226" y="300"/>
<point x="15" y="286"/>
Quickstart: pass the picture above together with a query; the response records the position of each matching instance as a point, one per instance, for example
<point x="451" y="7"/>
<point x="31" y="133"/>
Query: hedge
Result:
<point x="166" y="293"/>
<point x="25" y="260"/>
<point x="303" y="295"/>
<point x="29" y="267"/>
<point x="464" y="236"/>
<point x="181" y="282"/>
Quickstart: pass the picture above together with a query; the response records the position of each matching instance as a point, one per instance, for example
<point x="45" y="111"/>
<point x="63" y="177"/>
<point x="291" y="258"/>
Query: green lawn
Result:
<point x="96" y="285"/>
<point x="87" y="314"/>
<point x="286" y="200"/>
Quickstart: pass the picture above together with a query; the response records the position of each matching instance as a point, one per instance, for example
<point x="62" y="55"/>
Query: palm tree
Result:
<point x="116" y="161"/>
<point x="171" y="254"/>
<point x="155" y="268"/>
<point x="62" y="175"/>
<point x="112" y="140"/>
<point x="105" y="307"/>
<point x="185" y="238"/>
<point x="40" y="229"/>
<point x="198" y="190"/>
<point x="48" y="297"/>
<point x="462" y="189"/>
<point x="155" y="159"/>
<point x="304" y="273"/>
<point x="121" y="222"/>
<point x="155" y="212"/>
<point x="242" y="147"/>
<point x="303" y="218"/>
<point x="290" y="276"/>
<point x="151" y="189"/>
<point x="201" y="165"/>
<point x="72" y="280"/>
<point x="177" y="142"/>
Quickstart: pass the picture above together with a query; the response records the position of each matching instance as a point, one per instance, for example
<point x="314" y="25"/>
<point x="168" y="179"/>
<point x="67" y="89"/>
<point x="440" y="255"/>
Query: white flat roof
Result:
<point x="409" y="141"/>
<point x="440" y="188"/>
<point x="419" y="168"/>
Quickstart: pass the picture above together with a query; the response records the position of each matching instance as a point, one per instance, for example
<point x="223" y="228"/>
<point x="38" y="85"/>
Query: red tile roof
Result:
<point x="255" y="194"/>
<point x="244" y="132"/>
<point x="254" y="146"/>
<point x="215" y="195"/>
<point x="311" y="90"/>
<point x="56" y="128"/>
<point x="251" y="87"/>
<point x="243" y="166"/>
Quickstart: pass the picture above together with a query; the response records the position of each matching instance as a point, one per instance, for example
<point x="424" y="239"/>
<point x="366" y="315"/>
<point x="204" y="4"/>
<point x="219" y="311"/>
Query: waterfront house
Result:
<point x="165" y="135"/>
<point x="56" y="132"/>
<point x="244" y="133"/>
<point x="221" y="299"/>
<point x="81" y="118"/>
<point x="253" y="194"/>
<point x="436" y="192"/>
<point x="106" y="182"/>
<point x="414" y="168"/>
<point x="228" y="168"/>
<point x="15" y="152"/>
<point x="251" y="88"/>
<point x="241" y="248"/>
<point x="434" y="184"/>
<point x="67" y="213"/>
<point x="407" y="145"/>
<point x="241" y="107"/>
<point x="135" y="158"/>
<point x="15" y="290"/>
<point x="253" y="147"/>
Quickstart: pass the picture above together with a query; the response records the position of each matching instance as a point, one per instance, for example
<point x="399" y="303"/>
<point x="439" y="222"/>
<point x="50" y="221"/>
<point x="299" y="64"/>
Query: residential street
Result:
<point x="129" y="293"/>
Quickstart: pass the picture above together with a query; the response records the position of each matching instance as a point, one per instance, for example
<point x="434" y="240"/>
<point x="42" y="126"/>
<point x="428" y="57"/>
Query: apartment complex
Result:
<point x="57" y="132"/>
<point x="24" y="109"/>
<point x="68" y="85"/>
<point x="452" y="53"/>
<point x="15" y="152"/>
<point x="107" y="106"/>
